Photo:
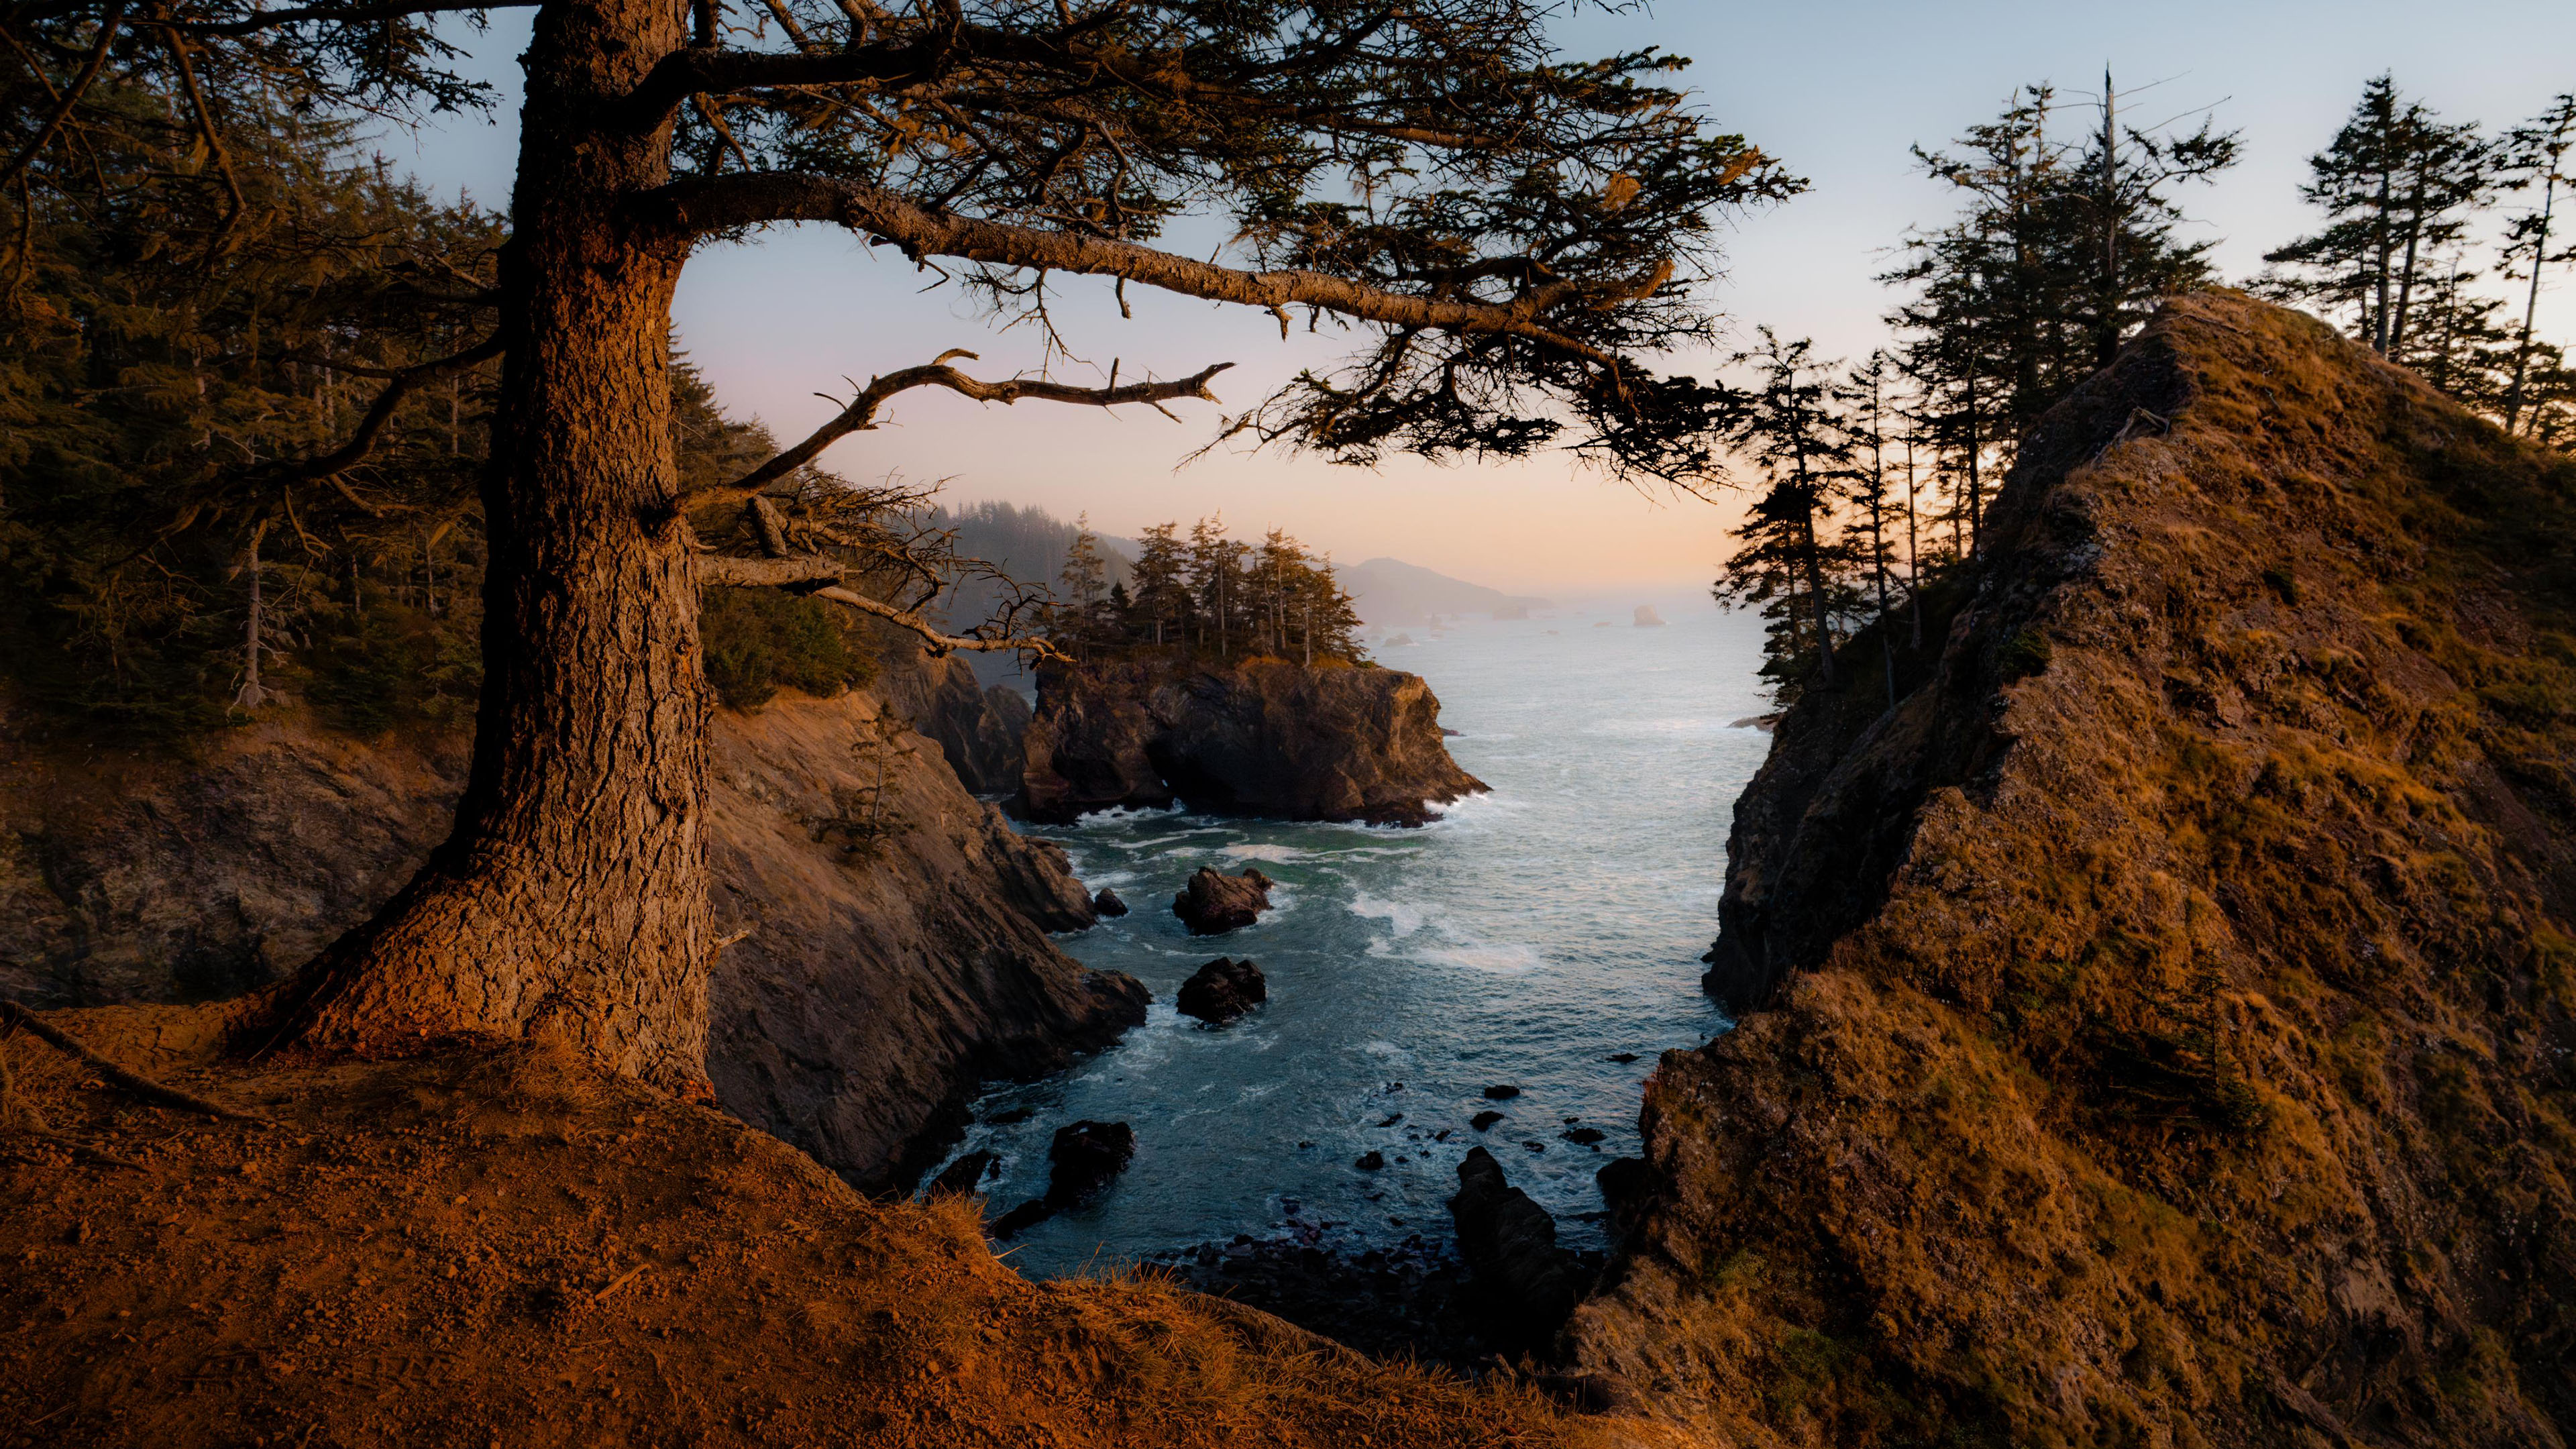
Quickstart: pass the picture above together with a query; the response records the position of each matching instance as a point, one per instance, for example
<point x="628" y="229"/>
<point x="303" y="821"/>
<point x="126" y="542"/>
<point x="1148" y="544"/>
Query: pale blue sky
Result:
<point x="1838" y="91"/>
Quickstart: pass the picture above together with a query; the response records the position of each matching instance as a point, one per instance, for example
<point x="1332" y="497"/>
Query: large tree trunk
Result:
<point x="571" y="901"/>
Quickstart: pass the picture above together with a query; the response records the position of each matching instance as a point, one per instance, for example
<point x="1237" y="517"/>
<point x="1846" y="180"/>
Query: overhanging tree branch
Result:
<point x="713" y="205"/>
<point x="372" y="426"/>
<point x="71" y="97"/>
<point x="819" y="576"/>
<point x="709" y="69"/>
<point x="860" y="415"/>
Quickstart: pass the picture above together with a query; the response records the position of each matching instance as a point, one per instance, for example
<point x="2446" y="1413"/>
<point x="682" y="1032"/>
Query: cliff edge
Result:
<point x="2160" y="1028"/>
<point x="1260" y="738"/>
<point x="888" y="930"/>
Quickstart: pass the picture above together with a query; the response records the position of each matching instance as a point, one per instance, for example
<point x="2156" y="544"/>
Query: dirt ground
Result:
<point x="504" y="1247"/>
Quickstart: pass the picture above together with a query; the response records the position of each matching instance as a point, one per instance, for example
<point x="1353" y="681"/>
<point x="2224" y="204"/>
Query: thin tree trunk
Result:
<point x="2386" y="246"/>
<point x="1913" y="551"/>
<point x="2531" y="302"/>
<point x="2406" y="275"/>
<point x="252" y="696"/>
<point x="2106" y="342"/>
<point x="571" y="900"/>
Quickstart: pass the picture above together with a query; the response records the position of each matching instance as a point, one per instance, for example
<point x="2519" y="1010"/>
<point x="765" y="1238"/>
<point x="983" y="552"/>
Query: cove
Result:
<point x="1523" y="940"/>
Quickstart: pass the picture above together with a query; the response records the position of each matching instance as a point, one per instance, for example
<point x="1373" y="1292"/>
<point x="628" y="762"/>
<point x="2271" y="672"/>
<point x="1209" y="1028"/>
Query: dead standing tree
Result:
<point x="1512" y="229"/>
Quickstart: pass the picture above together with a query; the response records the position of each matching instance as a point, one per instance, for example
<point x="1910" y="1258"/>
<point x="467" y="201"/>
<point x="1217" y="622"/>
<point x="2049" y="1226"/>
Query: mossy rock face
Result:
<point x="2025" y="654"/>
<point x="2167" y="1001"/>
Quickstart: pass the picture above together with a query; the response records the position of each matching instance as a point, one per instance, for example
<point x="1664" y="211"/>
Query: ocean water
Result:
<point x="1525" y="939"/>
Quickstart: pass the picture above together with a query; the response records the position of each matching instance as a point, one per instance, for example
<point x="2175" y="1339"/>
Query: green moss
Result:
<point x="2027" y="654"/>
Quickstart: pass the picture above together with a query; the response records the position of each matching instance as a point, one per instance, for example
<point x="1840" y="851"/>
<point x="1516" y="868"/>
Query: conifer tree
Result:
<point x="2535" y="155"/>
<point x="1785" y="426"/>
<point x="1161" y="593"/>
<point x="1515" y="233"/>
<point x="2396" y="184"/>
<point x="1867" y="413"/>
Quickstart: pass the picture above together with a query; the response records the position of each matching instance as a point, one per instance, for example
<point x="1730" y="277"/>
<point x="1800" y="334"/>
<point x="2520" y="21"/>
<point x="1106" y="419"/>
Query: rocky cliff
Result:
<point x="889" y="930"/>
<point x="1269" y="739"/>
<point x="2159" y="1029"/>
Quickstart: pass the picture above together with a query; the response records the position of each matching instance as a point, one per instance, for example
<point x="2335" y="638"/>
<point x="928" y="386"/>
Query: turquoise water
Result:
<point x="1524" y="939"/>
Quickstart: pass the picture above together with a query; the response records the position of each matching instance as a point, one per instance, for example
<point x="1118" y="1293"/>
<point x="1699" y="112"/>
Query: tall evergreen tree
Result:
<point x="2396" y="184"/>
<point x="1516" y="232"/>
<point x="2535" y="155"/>
<point x="2060" y="249"/>
<point x="1786" y="565"/>
<point x="1868" y="414"/>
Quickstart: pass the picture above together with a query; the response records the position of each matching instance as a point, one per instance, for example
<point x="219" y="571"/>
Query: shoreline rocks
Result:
<point x="1509" y="1242"/>
<point x="1106" y="905"/>
<point x="1213" y="904"/>
<point x="1222" y="990"/>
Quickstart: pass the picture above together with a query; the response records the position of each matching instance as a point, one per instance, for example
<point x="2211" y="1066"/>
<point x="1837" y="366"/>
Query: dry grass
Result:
<point x="511" y="1249"/>
<point x="2197" y="1070"/>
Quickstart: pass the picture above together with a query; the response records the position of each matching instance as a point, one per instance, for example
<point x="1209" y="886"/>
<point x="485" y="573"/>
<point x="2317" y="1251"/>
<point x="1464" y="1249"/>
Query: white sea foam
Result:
<point x="1253" y="850"/>
<point x="1515" y="959"/>
<point x="1404" y="919"/>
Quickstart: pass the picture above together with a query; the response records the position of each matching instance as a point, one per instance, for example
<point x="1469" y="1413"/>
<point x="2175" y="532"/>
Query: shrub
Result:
<point x="759" y="641"/>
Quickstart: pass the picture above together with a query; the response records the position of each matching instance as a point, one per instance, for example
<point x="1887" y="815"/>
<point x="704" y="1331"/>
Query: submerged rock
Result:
<point x="1214" y="904"/>
<point x="1484" y="1119"/>
<point x="966" y="1175"/>
<point x="1371" y="1161"/>
<point x="1268" y="739"/>
<point x="1085" y="1158"/>
<point x="1501" y="1092"/>
<point x="1222" y="990"/>
<point x="1107" y="905"/>
<point x="1509" y="1242"/>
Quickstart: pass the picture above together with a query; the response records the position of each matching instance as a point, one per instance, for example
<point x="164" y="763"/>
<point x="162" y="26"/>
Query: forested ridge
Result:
<point x="1868" y="482"/>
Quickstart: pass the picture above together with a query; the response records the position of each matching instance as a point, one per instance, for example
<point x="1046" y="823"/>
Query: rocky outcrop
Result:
<point x="1509" y="1241"/>
<point x="1106" y="904"/>
<point x="2156" y="1028"/>
<point x="1213" y="904"/>
<point x="889" y="950"/>
<point x="1266" y="739"/>
<point x="981" y="731"/>
<point x="1222" y="990"/>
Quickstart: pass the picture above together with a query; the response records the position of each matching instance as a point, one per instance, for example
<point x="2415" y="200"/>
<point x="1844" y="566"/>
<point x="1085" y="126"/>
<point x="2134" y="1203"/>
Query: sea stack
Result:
<point x="1213" y="904"/>
<point x="1269" y="739"/>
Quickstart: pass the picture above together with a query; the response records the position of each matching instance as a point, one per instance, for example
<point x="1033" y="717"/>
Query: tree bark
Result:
<point x="571" y="901"/>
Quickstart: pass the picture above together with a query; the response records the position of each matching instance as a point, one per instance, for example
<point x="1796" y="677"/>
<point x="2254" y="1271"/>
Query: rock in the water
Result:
<point x="1624" y="1183"/>
<point x="1214" y="904"/>
<point x="1371" y="1161"/>
<point x="1107" y="905"/>
<point x="964" y="1176"/>
<point x="1501" y="1092"/>
<point x="1086" y="1156"/>
<point x="1019" y="1219"/>
<point x="1509" y="1243"/>
<point x="1270" y="739"/>
<point x="1483" y="1120"/>
<point x="1583" y="1136"/>
<point x="1222" y="990"/>
<point x="1623" y="1058"/>
<point x="1647" y="618"/>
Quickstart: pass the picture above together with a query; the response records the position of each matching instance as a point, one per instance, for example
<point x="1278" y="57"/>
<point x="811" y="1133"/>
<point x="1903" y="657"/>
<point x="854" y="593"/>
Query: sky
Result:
<point x="1837" y="91"/>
